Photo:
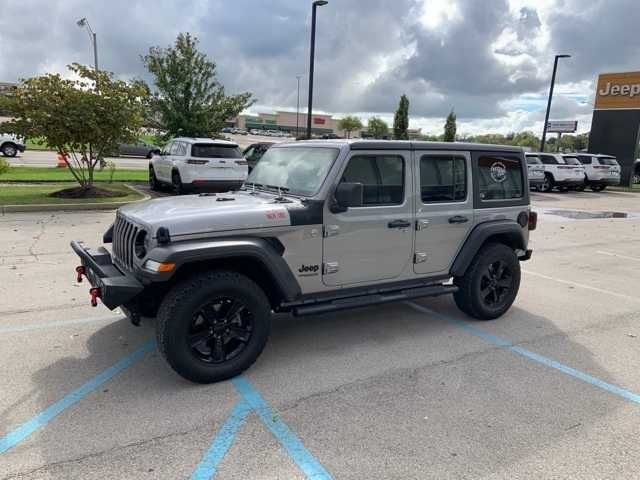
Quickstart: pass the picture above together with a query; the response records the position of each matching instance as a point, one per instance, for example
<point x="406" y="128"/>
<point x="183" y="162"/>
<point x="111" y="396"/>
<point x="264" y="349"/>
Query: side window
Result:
<point x="585" y="160"/>
<point x="181" y="149"/>
<point x="500" y="177"/>
<point x="443" y="179"/>
<point x="381" y="175"/>
<point x="174" y="148"/>
<point x="548" y="159"/>
<point x="167" y="148"/>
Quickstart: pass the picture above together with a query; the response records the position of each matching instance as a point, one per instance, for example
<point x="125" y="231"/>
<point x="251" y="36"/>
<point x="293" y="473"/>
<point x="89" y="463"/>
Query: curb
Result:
<point x="72" y="206"/>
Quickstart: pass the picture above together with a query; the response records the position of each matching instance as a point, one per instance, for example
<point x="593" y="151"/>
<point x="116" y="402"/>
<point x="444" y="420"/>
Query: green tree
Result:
<point x="378" y="128"/>
<point x="450" y="127"/>
<point x="526" y="139"/>
<point x="582" y="142"/>
<point x="350" y="124"/>
<point x="78" y="122"/>
<point x="188" y="99"/>
<point x="401" y="120"/>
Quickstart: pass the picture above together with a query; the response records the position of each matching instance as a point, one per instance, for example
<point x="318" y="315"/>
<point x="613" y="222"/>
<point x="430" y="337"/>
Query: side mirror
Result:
<point x="347" y="195"/>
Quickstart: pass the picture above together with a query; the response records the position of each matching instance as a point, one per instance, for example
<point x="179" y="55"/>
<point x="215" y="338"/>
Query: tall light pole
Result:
<point x="553" y="81"/>
<point x="316" y="4"/>
<point x="83" y="22"/>
<point x="298" y="108"/>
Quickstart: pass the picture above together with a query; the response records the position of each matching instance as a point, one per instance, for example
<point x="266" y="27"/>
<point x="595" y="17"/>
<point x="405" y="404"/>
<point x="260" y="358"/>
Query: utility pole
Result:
<point x="553" y="81"/>
<point x="316" y="4"/>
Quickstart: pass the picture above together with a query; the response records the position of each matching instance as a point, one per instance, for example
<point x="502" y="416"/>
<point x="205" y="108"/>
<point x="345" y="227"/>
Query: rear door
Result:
<point x="162" y="163"/>
<point x="372" y="242"/>
<point x="444" y="209"/>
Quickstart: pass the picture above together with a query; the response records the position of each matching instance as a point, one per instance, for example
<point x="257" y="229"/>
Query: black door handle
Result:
<point x="399" y="224"/>
<point x="458" y="219"/>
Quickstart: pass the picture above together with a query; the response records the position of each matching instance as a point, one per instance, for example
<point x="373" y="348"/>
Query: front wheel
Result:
<point x="176" y="181"/>
<point x="9" y="150"/>
<point x="153" y="180"/>
<point x="490" y="285"/>
<point x="597" y="188"/>
<point x="213" y="326"/>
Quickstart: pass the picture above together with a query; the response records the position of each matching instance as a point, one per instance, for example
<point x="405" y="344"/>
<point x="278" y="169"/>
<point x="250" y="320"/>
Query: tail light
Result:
<point x="191" y="161"/>
<point x="533" y="220"/>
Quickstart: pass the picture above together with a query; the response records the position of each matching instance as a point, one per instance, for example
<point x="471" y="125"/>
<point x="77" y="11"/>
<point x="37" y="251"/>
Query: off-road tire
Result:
<point x="177" y="311"/>
<point x="9" y="150"/>
<point x="468" y="298"/>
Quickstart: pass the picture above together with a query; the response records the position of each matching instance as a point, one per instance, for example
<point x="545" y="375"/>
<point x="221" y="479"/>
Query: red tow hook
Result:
<point x="80" y="271"/>
<point x="95" y="293"/>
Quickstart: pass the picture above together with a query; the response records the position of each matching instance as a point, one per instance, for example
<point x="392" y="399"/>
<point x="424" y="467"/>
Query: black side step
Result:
<point x="373" y="299"/>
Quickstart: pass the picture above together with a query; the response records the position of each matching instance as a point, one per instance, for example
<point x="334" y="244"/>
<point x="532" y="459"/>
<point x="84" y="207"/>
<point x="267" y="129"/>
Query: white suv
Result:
<point x="561" y="171"/>
<point x="190" y="163"/>
<point x="600" y="171"/>
<point x="10" y="145"/>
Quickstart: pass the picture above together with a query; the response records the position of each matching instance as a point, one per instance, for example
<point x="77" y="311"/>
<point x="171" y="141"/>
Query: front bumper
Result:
<point x="115" y="287"/>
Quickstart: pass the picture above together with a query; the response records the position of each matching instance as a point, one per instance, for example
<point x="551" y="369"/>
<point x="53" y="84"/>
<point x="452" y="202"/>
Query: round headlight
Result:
<point x="139" y="244"/>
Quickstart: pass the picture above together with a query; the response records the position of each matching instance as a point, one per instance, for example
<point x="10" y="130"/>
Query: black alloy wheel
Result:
<point x="220" y="330"/>
<point x="496" y="284"/>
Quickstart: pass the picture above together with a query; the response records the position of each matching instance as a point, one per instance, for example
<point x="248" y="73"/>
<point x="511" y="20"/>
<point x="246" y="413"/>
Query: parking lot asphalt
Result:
<point x="409" y="390"/>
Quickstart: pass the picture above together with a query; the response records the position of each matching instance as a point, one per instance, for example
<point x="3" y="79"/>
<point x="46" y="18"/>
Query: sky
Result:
<point x="489" y="60"/>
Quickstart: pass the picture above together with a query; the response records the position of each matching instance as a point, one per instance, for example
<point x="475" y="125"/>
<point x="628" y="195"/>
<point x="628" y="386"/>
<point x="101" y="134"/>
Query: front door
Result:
<point x="444" y="209"/>
<point x="372" y="242"/>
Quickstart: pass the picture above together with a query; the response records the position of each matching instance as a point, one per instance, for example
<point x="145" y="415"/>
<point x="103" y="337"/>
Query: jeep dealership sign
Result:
<point x="618" y="90"/>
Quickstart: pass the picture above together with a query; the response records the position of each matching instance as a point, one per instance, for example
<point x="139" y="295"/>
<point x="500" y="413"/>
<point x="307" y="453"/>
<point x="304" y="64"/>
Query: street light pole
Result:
<point x="316" y="4"/>
<point x="298" y="109"/>
<point x="553" y="81"/>
<point x="83" y="22"/>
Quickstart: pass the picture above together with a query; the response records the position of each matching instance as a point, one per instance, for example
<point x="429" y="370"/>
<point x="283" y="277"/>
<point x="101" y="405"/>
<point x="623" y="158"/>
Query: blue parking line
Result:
<point x="291" y="443"/>
<point x="207" y="468"/>
<point x="536" y="357"/>
<point x="16" y="436"/>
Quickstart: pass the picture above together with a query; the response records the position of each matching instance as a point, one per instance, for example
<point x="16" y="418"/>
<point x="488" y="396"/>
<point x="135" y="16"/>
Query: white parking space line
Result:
<point x="613" y="254"/>
<point x="582" y="285"/>
<point x="61" y="323"/>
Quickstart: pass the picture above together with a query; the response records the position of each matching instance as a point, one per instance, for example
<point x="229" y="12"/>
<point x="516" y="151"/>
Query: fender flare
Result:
<point x="509" y="229"/>
<point x="256" y="249"/>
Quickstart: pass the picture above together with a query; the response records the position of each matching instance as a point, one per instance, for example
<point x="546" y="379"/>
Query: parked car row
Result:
<point x="573" y="171"/>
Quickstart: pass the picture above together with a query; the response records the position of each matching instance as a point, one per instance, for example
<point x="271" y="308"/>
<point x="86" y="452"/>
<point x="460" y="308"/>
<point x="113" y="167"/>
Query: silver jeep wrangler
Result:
<point x="319" y="226"/>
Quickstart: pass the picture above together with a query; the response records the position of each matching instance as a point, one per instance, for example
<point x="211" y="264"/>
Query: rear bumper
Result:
<point x="116" y="287"/>
<point x="604" y="181"/>
<point x="536" y="182"/>
<point x="569" y="182"/>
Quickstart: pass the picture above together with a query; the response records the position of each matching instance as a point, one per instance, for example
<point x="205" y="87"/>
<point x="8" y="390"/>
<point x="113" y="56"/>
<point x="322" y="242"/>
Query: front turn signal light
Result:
<point x="157" y="267"/>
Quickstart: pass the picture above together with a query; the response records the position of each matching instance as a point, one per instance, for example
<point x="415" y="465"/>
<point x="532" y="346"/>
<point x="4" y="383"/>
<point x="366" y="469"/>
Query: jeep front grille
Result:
<point x="124" y="237"/>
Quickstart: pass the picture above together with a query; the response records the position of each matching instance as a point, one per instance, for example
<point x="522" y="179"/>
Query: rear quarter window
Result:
<point x="608" y="161"/>
<point x="533" y="160"/>
<point x="500" y="177"/>
<point x="215" y="151"/>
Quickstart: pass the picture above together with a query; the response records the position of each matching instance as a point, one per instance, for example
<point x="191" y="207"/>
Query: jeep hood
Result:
<point x="197" y="214"/>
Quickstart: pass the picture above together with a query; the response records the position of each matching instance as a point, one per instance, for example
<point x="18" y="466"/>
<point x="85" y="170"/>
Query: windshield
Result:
<point x="571" y="161"/>
<point x="209" y="150"/>
<point x="607" y="161"/>
<point x="300" y="170"/>
<point x="531" y="160"/>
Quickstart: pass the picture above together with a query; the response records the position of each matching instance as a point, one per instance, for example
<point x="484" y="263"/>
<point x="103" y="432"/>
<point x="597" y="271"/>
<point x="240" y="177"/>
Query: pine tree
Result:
<point x="401" y="120"/>
<point x="450" y="128"/>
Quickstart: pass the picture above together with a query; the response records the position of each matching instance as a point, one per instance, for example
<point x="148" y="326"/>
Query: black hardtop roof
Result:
<point x="413" y="145"/>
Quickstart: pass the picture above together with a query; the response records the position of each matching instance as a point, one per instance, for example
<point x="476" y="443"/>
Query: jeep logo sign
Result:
<point x="618" y="90"/>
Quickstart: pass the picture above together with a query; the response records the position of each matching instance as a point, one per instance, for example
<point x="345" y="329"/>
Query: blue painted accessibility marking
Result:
<point x="16" y="436"/>
<point x="536" y="357"/>
<point x="291" y="443"/>
<point x="222" y="442"/>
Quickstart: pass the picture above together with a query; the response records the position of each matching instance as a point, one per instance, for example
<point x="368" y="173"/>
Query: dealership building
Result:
<point x="287" y="122"/>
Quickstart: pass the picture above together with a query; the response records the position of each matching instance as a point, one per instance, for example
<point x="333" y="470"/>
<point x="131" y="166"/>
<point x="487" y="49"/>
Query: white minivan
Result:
<point x="198" y="163"/>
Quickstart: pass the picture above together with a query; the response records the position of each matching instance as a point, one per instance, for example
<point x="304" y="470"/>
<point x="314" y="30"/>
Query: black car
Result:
<point x="140" y="149"/>
<point x="254" y="152"/>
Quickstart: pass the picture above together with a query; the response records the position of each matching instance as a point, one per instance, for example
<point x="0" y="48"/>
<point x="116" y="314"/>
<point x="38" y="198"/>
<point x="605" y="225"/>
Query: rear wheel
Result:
<point x="598" y="188"/>
<point x="176" y="181"/>
<point x="213" y="326"/>
<point x="490" y="285"/>
<point x="153" y="180"/>
<point x="548" y="183"/>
